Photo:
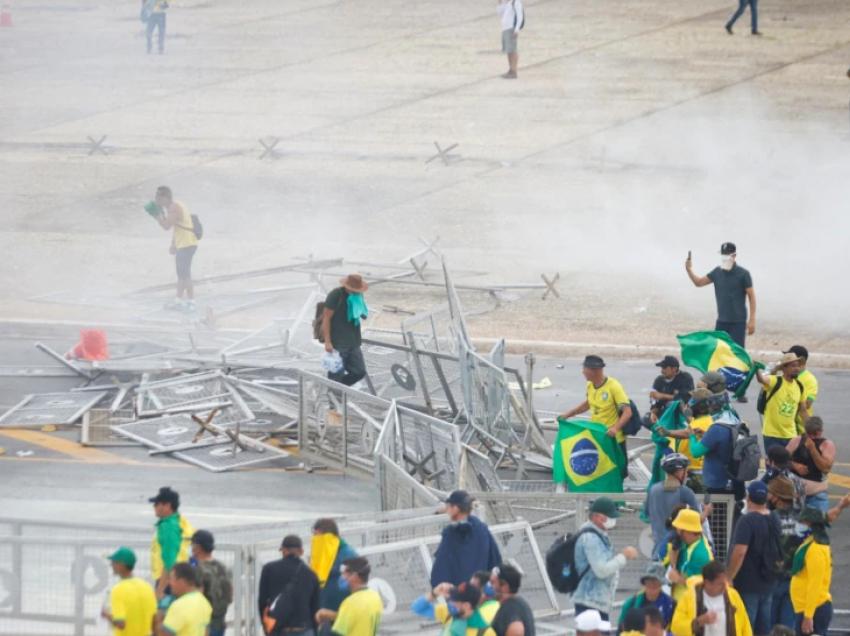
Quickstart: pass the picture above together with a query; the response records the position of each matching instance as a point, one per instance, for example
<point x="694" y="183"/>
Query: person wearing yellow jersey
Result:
<point x="172" y="540"/>
<point x="607" y="402"/>
<point x="811" y="575"/>
<point x="191" y="612"/>
<point x="785" y="402"/>
<point x="711" y="607"/>
<point x="807" y="379"/>
<point x="132" y="603"/>
<point x="360" y="613"/>
<point x="184" y="244"/>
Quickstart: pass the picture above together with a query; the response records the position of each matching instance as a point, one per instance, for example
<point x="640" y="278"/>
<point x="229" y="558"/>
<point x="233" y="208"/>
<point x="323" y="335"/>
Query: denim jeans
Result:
<point x="353" y="366"/>
<point x="156" y="21"/>
<point x="736" y="330"/>
<point x="216" y="632"/>
<point x="819" y="501"/>
<point x="754" y="14"/>
<point x="774" y="441"/>
<point x="821" y="619"/>
<point x="758" y="609"/>
<point x="781" y="609"/>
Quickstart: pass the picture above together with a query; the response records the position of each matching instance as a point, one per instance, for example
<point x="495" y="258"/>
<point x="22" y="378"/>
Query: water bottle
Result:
<point x="566" y="571"/>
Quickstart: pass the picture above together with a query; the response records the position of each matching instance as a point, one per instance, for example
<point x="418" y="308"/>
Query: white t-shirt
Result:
<point x="511" y="12"/>
<point x="715" y="604"/>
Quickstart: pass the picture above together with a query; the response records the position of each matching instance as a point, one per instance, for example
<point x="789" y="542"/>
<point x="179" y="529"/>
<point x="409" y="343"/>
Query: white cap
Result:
<point x="591" y="621"/>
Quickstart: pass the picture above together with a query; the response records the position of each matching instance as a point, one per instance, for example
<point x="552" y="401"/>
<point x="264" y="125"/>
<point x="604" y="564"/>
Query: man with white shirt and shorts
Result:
<point x="513" y="19"/>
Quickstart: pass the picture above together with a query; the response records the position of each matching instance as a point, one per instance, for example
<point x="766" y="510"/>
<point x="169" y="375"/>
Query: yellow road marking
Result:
<point x="67" y="447"/>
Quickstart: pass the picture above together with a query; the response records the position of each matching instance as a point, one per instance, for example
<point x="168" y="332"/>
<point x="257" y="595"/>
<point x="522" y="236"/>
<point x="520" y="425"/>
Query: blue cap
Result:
<point x="757" y="491"/>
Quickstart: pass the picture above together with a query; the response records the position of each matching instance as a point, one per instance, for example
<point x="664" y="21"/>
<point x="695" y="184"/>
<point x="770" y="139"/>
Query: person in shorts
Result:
<point x="184" y="244"/>
<point x="513" y="17"/>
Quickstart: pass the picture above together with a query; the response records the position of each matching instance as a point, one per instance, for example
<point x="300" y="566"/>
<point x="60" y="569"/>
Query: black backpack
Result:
<point x="197" y="228"/>
<point x="522" y="24"/>
<point x="764" y="397"/>
<point x="633" y="426"/>
<point x="561" y="563"/>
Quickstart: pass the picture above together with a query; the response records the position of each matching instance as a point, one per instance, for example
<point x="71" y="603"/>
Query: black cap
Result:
<point x="728" y="248"/>
<point x="798" y="350"/>
<point x="668" y="361"/>
<point x="466" y="593"/>
<point x="204" y="539"/>
<point x="166" y="495"/>
<point x="593" y="362"/>
<point x="459" y="498"/>
<point x="292" y="542"/>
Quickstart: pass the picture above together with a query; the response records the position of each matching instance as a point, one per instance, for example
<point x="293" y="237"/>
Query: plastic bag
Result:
<point x="332" y="362"/>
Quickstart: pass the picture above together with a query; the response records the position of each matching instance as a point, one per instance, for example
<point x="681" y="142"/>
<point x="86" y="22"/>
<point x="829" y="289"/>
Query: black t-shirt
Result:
<point x="513" y="610"/>
<point x="752" y="530"/>
<point x="730" y="292"/>
<point x="681" y="386"/>
<point x="344" y="333"/>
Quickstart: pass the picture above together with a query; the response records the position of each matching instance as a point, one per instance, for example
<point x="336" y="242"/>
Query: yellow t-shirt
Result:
<point x="810" y="587"/>
<point x="704" y="422"/>
<point x="606" y="402"/>
<point x="810" y="388"/>
<point x="189" y="615"/>
<point x="360" y="614"/>
<point x="160" y="6"/>
<point x="780" y="414"/>
<point x="134" y="602"/>
<point x="183" y="234"/>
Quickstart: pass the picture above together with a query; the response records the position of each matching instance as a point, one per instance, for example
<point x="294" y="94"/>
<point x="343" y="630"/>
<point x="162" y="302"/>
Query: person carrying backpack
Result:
<point x="756" y="558"/>
<point x="513" y="19"/>
<point x="663" y="496"/>
<point x="781" y="401"/>
<point x="717" y="448"/>
<point x="596" y="564"/>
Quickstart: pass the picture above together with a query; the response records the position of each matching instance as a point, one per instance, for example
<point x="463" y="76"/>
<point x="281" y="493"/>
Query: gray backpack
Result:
<point x="745" y="459"/>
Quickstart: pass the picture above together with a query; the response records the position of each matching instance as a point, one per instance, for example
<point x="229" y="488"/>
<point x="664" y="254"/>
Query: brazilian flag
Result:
<point x="716" y="351"/>
<point x="586" y="459"/>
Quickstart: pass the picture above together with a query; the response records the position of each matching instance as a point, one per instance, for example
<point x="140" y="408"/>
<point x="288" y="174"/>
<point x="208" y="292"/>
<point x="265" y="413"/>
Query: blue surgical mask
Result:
<point x="802" y="529"/>
<point x="343" y="584"/>
<point x="489" y="591"/>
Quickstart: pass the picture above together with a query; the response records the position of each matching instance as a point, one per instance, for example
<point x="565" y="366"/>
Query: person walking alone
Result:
<point x="184" y="244"/>
<point x="754" y="15"/>
<point x="513" y="19"/>
<point x="156" y="20"/>
<point x="344" y="309"/>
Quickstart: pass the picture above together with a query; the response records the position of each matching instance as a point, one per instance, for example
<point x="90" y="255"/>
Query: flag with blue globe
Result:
<point x="586" y="459"/>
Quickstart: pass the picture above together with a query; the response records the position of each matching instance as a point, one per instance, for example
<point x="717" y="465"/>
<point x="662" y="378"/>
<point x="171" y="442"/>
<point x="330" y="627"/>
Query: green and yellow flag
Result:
<point x="716" y="351"/>
<point x="586" y="459"/>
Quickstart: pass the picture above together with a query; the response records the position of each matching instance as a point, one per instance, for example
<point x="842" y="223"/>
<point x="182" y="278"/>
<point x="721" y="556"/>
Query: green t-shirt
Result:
<point x="693" y="557"/>
<point x="343" y="332"/>
<point x="169" y="535"/>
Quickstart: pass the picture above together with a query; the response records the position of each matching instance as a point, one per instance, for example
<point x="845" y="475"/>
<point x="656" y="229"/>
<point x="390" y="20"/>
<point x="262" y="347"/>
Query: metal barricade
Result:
<point x="58" y="586"/>
<point x="554" y="515"/>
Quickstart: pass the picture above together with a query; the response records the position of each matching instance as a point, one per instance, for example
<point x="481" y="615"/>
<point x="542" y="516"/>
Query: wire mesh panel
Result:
<point x="518" y="547"/>
<point x="177" y="435"/>
<point x="50" y="408"/>
<point x="483" y="471"/>
<point x="339" y="426"/>
<point x="398" y="490"/>
<point x="58" y="586"/>
<point x="430" y="447"/>
<point x="97" y="428"/>
<point x="434" y="330"/>
<point x="455" y="309"/>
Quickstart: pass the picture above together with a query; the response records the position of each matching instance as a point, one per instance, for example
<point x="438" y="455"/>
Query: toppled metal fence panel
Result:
<point x="181" y="436"/>
<point x="398" y="490"/>
<point x="339" y="426"/>
<point x="553" y="515"/>
<point x="430" y="449"/>
<point x="50" y="408"/>
<point x="97" y="428"/>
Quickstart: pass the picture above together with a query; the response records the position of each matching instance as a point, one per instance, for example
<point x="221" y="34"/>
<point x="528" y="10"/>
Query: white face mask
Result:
<point x="802" y="529"/>
<point x="726" y="262"/>
<point x="609" y="523"/>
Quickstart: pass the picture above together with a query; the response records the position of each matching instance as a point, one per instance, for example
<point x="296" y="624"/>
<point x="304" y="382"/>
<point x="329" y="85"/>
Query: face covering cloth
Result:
<point x="357" y="308"/>
<point x="323" y="549"/>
